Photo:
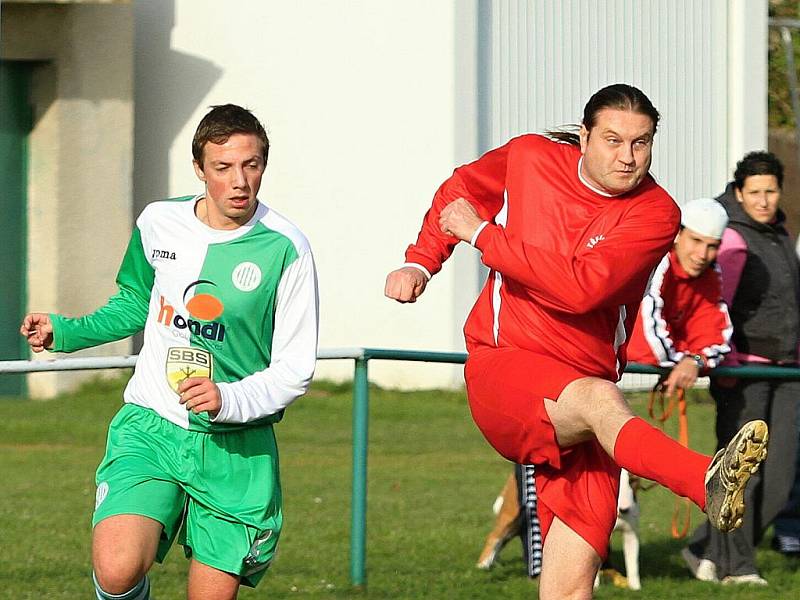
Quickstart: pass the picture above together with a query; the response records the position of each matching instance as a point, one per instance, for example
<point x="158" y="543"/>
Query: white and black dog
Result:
<point x="509" y="521"/>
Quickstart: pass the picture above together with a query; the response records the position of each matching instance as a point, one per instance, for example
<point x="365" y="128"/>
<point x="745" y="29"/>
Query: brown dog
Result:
<point x="507" y="523"/>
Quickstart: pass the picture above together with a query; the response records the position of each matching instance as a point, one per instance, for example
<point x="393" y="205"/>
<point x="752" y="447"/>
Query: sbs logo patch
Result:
<point x="185" y="362"/>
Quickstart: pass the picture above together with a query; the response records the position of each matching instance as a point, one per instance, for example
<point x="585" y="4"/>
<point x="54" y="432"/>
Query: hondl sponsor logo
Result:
<point x="211" y="331"/>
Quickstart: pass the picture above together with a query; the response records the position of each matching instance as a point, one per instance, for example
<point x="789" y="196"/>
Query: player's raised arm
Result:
<point x="610" y="272"/>
<point x="481" y="184"/>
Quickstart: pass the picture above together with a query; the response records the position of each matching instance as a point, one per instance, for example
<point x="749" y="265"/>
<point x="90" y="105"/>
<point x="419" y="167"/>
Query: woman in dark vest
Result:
<point x="761" y="284"/>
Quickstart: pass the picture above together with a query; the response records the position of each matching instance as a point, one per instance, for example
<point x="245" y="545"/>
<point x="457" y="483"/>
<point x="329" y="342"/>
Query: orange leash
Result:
<point x="667" y="407"/>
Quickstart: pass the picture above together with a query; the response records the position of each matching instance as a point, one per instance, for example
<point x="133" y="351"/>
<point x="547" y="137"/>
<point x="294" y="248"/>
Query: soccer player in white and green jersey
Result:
<point x="226" y="291"/>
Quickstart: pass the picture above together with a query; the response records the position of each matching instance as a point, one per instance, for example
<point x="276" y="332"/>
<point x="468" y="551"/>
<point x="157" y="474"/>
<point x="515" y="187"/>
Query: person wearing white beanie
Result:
<point x="705" y="216"/>
<point x="683" y="322"/>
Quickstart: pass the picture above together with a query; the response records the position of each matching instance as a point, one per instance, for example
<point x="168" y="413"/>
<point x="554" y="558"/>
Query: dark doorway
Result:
<point x="15" y="126"/>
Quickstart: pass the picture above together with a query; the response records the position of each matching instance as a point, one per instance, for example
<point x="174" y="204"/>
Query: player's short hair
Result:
<point x="221" y="123"/>
<point x="758" y="163"/>
<point x="618" y="96"/>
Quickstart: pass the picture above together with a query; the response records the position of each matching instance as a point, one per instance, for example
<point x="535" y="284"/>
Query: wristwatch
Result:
<point x="698" y="360"/>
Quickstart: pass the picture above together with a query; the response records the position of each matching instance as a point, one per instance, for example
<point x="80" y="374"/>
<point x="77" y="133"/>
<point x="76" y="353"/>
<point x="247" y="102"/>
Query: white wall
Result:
<point x="748" y="26"/>
<point x="370" y="104"/>
<point x="359" y="99"/>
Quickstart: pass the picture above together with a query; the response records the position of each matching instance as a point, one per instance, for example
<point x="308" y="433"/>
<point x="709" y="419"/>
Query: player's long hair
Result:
<point x="619" y="96"/>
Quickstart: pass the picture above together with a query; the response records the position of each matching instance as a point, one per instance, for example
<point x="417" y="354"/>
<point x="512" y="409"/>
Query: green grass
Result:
<point x="432" y="481"/>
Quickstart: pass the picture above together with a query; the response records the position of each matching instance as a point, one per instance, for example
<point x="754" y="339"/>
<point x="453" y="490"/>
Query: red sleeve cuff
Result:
<point x="485" y="236"/>
<point x="423" y="261"/>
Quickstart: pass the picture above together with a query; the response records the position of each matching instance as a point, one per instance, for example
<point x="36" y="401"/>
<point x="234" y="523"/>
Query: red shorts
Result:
<point x="506" y="388"/>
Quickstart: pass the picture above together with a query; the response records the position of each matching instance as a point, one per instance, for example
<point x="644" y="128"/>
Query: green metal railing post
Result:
<point x="358" y="522"/>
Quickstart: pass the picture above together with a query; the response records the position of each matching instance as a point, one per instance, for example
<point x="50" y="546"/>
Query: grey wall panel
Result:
<point x="547" y="57"/>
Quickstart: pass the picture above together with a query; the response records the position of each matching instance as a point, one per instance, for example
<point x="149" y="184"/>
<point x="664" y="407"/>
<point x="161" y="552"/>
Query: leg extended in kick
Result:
<point x="591" y="407"/>
<point x="595" y="408"/>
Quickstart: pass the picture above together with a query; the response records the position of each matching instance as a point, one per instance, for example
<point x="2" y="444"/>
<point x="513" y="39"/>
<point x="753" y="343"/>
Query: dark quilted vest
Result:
<point x="766" y="306"/>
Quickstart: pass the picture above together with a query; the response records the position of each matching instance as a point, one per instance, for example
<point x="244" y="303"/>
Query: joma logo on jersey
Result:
<point x="595" y="240"/>
<point x="201" y="306"/>
<point x="163" y="254"/>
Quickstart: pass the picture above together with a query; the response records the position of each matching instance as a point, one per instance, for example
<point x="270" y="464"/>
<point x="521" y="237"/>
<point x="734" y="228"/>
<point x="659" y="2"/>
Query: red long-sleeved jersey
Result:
<point x="681" y="315"/>
<point x="569" y="265"/>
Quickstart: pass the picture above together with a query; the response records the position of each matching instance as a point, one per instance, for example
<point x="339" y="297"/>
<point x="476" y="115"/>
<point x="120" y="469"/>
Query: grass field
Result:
<point x="432" y="481"/>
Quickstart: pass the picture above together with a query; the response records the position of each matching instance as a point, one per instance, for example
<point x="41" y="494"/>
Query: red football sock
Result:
<point x="647" y="451"/>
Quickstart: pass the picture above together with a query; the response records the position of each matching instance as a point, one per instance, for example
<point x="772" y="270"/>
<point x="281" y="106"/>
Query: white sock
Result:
<point x="141" y="591"/>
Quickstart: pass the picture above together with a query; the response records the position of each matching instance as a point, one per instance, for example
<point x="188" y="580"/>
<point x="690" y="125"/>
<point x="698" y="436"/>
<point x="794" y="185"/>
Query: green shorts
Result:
<point x="220" y="491"/>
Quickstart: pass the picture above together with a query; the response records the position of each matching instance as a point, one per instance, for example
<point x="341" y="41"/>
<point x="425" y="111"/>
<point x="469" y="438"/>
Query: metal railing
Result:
<point x="361" y="358"/>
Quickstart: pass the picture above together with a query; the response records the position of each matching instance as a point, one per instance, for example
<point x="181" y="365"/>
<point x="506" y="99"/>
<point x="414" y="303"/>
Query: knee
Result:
<point x="603" y="391"/>
<point x="591" y="389"/>
<point x="123" y="549"/>
<point x="592" y="395"/>
<point x="604" y="398"/>
<point x="117" y="574"/>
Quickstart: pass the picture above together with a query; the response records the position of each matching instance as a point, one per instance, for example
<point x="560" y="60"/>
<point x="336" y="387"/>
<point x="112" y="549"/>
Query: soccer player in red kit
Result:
<point x="571" y="229"/>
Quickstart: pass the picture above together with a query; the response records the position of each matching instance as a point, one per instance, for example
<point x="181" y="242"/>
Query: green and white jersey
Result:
<point x="247" y="297"/>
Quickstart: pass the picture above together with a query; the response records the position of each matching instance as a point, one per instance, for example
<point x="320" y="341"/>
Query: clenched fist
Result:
<point x="200" y="394"/>
<point x="38" y="330"/>
<point x="405" y="284"/>
<point x="459" y="219"/>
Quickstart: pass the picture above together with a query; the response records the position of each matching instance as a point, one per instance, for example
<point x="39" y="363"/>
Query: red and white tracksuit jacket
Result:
<point x="569" y="264"/>
<point x="681" y="315"/>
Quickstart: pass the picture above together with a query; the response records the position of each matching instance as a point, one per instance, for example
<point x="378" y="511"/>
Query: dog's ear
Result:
<point x="635" y="482"/>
